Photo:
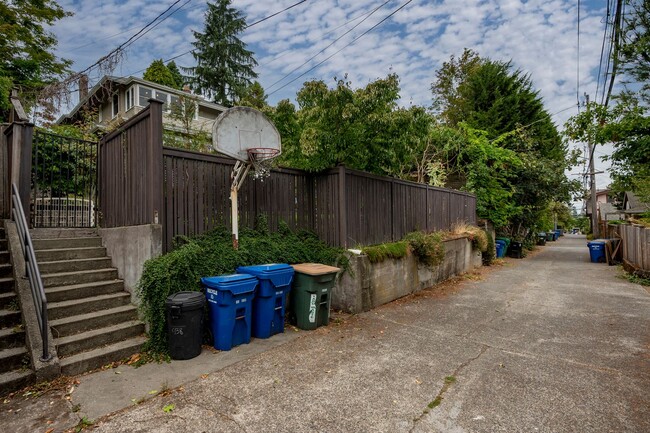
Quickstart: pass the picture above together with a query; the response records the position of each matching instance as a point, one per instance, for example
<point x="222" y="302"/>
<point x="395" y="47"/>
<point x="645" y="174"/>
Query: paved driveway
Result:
<point x="551" y="343"/>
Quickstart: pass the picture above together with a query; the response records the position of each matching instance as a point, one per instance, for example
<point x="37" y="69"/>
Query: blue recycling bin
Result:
<point x="230" y="299"/>
<point x="597" y="251"/>
<point x="501" y="248"/>
<point x="558" y="233"/>
<point x="269" y="304"/>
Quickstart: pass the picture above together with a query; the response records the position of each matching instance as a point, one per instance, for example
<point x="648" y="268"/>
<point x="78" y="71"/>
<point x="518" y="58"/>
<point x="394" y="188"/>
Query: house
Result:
<point x="632" y="205"/>
<point x="114" y="99"/>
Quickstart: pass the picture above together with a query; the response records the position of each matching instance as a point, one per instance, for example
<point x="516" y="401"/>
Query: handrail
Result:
<point x="31" y="269"/>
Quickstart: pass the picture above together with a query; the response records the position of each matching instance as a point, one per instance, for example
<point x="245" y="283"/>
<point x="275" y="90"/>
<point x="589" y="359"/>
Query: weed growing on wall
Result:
<point x="381" y="252"/>
<point x="427" y="247"/>
<point x="489" y="254"/>
<point x="212" y="254"/>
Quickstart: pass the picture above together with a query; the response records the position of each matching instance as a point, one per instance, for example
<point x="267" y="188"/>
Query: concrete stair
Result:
<point x="15" y="371"/>
<point x="91" y="316"/>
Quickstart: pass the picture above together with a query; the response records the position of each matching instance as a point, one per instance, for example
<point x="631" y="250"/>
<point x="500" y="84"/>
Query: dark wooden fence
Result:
<point x="130" y="171"/>
<point x="344" y="207"/>
<point x="15" y="164"/>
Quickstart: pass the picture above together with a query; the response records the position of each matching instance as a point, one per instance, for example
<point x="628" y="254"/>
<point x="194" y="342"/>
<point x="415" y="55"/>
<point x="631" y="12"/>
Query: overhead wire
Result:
<point x="246" y="27"/>
<point x="344" y="47"/>
<point x="329" y="45"/>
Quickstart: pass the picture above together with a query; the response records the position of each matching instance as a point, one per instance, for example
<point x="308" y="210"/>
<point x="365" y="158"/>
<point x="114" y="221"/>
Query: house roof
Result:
<point x="108" y="81"/>
<point x="633" y="205"/>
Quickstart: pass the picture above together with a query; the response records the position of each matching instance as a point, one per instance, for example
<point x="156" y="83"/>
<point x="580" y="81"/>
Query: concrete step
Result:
<point x="7" y="299"/>
<point x="73" y="265"/>
<point x="98" y="319"/>
<point x="86" y="361"/>
<point x="9" y="318"/>
<point x="78" y="291"/>
<point x="64" y="243"/>
<point x="12" y="337"/>
<point x="4" y="256"/>
<point x="59" y="233"/>
<point x="14" y="380"/>
<point x="6" y="285"/>
<point x="84" y="341"/>
<point x="58" y="254"/>
<point x="70" y="278"/>
<point x="75" y="307"/>
<point x="13" y="358"/>
<point x="6" y="270"/>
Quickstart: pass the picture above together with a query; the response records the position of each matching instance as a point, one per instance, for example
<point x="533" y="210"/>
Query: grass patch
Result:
<point x="435" y="403"/>
<point x="450" y="379"/>
<point x="212" y="254"/>
<point x="392" y="250"/>
<point x="427" y="247"/>
<point x="478" y="236"/>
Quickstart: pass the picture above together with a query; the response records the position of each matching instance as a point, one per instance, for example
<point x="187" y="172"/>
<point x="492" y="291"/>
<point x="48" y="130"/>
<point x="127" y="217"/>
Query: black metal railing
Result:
<point x="31" y="269"/>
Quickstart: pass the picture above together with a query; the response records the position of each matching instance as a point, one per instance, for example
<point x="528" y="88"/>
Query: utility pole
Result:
<point x="592" y="180"/>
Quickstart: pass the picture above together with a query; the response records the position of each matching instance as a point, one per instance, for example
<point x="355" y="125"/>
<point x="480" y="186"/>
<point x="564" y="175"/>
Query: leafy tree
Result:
<point x="158" y="73"/>
<point x="179" y="80"/>
<point x="447" y="99"/>
<point x="224" y="66"/>
<point x="27" y="61"/>
<point x="254" y="97"/>
<point x="635" y="50"/>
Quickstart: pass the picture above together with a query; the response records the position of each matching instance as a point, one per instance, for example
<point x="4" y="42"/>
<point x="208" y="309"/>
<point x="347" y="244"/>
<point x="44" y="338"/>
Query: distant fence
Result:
<point x="189" y="193"/>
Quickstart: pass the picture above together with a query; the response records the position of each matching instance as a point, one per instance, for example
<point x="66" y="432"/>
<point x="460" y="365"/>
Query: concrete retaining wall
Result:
<point x="369" y="285"/>
<point x="129" y="247"/>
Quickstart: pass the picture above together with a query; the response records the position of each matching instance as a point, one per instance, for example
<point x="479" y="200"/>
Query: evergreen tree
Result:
<point x="27" y="61"/>
<point x="179" y="80"/>
<point x="158" y="73"/>
<point x="224" y="66"/>
<point x="254" y="97"/>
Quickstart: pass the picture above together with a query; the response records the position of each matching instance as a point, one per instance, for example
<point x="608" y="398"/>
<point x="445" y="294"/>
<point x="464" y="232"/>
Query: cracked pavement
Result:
<point x="550" y="343"/>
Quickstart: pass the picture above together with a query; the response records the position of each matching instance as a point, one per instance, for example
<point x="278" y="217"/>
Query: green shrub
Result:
<point x="392" y="250"/>
<point x="427" y="247"/>
<point x="212" y="254"/>
<point x="489" y="254"/>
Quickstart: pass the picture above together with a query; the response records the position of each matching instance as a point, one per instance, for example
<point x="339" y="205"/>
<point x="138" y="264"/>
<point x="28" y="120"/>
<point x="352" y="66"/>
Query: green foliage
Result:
<point x="489" y="254"/>
<point x="224" y="66"/>
<point x="158" y="73"/>
<point x="634" y="60"/>
<point x="27" y="59"/>
<point x="429" y="248"/>
<point x="392" y="250"/>
<point x="179" y="80"/>
<point x="212" y="254"/>
<point x="254" y="97"/>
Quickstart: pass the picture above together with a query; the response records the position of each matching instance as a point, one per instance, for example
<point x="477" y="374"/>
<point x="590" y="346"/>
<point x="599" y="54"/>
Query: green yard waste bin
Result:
<point x="311" y="295"/>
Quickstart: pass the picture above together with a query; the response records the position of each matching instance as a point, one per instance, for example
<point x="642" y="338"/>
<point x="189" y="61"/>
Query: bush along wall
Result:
<point x="212" y="254"/>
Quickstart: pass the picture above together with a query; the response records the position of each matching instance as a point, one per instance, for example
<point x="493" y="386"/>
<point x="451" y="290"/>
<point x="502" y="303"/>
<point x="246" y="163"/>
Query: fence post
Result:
<point x="155" y="156"/>
<point x="18" y="137"/>
<point x="343" y="211"/>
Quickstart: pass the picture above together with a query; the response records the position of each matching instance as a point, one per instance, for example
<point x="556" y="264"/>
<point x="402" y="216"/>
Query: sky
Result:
<point x="539" y="36"/>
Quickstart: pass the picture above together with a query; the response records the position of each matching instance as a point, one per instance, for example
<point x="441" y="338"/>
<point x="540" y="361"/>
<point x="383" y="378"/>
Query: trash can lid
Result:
<point x="315" y="269"/>
<point x="223" y="281"/>
<point x="269" y="267"/>
<point x="186" y="299"/>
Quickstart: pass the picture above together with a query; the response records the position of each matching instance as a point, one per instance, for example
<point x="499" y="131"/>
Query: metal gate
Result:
<point x="64" y="181"/>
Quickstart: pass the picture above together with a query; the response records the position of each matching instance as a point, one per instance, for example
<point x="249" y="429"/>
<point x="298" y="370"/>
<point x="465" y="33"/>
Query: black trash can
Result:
<point x="516" y="250"/>
<point x="185" y="324"/>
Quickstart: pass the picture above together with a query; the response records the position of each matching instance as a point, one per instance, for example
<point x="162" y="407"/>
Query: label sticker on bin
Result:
<point x="312" y="309"/>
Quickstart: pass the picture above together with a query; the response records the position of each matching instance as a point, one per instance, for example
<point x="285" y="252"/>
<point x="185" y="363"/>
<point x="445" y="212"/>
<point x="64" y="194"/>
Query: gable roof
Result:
<point x="633" y="204"/>
<point x="106" y="85"/>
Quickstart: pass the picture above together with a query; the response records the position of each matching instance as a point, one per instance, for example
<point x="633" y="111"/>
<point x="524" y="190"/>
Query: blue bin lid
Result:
<point x="265" y="270"/>
<point x="228" y="282"/>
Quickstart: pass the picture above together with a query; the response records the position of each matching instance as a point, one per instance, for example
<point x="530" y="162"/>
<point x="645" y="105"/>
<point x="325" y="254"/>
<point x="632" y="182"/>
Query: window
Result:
<point x="162" y="96"/>
<point x="116" y="105"/>
<point x="144" y="95"/>
<point x="129" y="98"/>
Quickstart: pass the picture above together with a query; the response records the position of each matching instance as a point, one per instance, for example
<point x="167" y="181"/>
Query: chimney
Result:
<point x="83" y="86"/>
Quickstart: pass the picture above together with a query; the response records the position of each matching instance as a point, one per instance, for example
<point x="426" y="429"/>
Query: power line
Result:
<point x="602" y="50"/>
<point x="128" y="41"/>
<point x="615" y="43"/>
<point x="331" y="43"/>
<point x="578" y="62"/>
<point x="247" y="27"/>
<point x="350" y="43"/>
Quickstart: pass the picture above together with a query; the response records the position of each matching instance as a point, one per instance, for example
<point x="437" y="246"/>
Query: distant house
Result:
<point x="632" y="205"/>
<point x="114" y="99"/>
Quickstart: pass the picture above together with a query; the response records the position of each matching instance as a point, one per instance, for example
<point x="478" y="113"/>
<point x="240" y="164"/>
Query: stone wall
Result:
<point x="369" y="285"/>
